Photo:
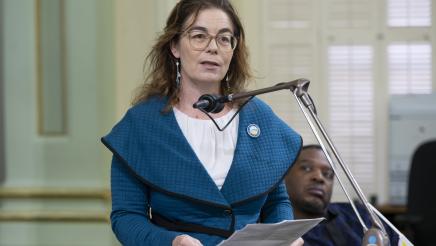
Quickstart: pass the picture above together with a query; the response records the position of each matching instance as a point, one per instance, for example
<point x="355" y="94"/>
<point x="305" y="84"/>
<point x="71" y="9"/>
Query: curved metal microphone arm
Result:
<point x="280" y="86"/>
<point x="376" y="235"/>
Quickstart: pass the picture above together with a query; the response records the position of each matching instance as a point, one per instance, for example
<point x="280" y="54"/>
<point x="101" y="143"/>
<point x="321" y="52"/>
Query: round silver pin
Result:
<point x="253" y="130"/>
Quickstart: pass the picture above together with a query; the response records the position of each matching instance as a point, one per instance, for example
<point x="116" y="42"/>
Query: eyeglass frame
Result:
<point x="210" y="37"/>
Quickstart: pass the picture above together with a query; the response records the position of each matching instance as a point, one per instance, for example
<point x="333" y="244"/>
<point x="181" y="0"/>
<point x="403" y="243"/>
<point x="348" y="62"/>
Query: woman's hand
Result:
<point x="185" y="240"/>
<point x="298" y="242"/>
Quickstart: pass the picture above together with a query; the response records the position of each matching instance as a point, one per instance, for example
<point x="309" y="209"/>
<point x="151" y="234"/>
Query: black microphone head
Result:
<point x="219" y="106"/>
<point x="213" y="106"/>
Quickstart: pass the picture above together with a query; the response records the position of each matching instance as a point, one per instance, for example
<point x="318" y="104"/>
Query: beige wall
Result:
<point x="137" y="24"/>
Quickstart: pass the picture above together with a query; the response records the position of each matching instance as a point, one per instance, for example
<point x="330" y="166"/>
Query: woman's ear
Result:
<point x="175" y="49"/>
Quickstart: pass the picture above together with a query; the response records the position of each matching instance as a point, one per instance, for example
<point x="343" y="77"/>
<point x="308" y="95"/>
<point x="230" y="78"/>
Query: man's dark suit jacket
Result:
<point x="342" y="227"/>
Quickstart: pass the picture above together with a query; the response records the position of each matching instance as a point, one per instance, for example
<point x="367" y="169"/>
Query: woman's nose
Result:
<point x="213" y="45"/>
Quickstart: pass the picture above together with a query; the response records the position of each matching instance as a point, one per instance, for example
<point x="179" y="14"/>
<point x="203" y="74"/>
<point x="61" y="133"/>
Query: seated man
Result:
<point x="309" y="184"/>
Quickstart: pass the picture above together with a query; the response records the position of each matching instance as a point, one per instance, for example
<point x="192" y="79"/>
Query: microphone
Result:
<point x="214" y="104"/>
<point x="210" y="103"/>
<point x="201" y="104"/>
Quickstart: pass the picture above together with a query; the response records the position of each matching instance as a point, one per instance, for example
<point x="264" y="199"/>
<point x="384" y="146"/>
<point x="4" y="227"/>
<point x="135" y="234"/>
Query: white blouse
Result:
<point x="214" y="149"/>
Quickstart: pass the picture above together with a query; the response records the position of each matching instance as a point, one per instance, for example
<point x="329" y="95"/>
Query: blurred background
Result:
<point x="68" y="69"/>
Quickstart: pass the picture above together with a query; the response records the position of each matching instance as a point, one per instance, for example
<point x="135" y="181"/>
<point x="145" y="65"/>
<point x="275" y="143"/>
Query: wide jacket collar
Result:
<point x="154" y="148"/>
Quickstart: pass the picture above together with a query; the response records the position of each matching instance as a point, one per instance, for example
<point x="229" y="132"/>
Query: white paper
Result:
<point x="278" y="234"/>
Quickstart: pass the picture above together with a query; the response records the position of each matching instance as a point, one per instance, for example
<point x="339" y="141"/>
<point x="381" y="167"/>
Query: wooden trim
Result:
<point x="392" y="209"/>
<point x="47" y="216"/>
<point x="55" y="193"/>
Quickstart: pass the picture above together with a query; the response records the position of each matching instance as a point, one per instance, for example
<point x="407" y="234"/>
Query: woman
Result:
<point x="176" y="179"/>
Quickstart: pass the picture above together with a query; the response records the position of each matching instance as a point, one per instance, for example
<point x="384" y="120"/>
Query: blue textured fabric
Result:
<point x="342" y="228"/>
<point x="151" y="156"/>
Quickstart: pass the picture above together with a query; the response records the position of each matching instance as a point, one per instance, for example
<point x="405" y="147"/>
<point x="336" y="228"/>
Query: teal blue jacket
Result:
<point x="154" y="166"/>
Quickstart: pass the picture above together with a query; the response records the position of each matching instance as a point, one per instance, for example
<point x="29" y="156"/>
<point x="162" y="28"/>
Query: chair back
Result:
<point x="421" y="197"/>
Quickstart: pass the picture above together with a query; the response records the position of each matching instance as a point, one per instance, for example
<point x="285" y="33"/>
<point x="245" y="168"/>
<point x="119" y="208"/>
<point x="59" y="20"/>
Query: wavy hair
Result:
<point x="161" y="64"/>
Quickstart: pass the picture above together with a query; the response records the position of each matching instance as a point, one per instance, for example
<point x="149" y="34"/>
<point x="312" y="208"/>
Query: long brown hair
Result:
<point x="161" y="74"/>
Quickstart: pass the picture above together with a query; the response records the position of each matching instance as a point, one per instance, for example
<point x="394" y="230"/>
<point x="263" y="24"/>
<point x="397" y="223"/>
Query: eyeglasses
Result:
<point x="199" y="40"/>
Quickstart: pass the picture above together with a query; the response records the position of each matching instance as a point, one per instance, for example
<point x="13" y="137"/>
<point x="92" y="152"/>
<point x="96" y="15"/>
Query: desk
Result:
<point x="391" y="212"/>
<point x="388" y="209"/>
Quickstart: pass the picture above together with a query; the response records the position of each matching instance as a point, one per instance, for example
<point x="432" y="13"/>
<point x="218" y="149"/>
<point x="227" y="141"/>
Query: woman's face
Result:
<point x="206" y="67"/>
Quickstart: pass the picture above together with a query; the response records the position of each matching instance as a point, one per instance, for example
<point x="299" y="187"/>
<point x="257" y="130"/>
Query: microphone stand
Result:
<point x="374" y="236"/>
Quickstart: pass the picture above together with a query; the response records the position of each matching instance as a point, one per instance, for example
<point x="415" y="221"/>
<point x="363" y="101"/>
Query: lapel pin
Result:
<point x="253" y="130"/>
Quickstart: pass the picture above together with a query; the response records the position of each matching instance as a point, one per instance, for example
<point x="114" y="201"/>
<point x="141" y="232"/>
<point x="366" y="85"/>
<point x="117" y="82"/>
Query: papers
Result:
<point x="278" y="234"/>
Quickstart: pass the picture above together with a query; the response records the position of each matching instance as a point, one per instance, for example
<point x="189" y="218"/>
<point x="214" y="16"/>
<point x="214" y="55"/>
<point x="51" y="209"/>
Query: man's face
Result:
<point x="310" y="182"/>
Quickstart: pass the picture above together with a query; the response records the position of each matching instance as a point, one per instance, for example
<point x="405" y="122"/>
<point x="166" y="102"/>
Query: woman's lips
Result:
<point x="210" y="64"/>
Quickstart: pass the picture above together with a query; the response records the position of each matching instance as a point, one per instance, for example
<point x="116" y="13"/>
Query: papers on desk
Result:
<point x="278" y="234"/>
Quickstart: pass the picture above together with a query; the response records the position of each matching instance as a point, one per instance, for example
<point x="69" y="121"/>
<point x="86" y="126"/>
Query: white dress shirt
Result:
<point x="214" y="149"/>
